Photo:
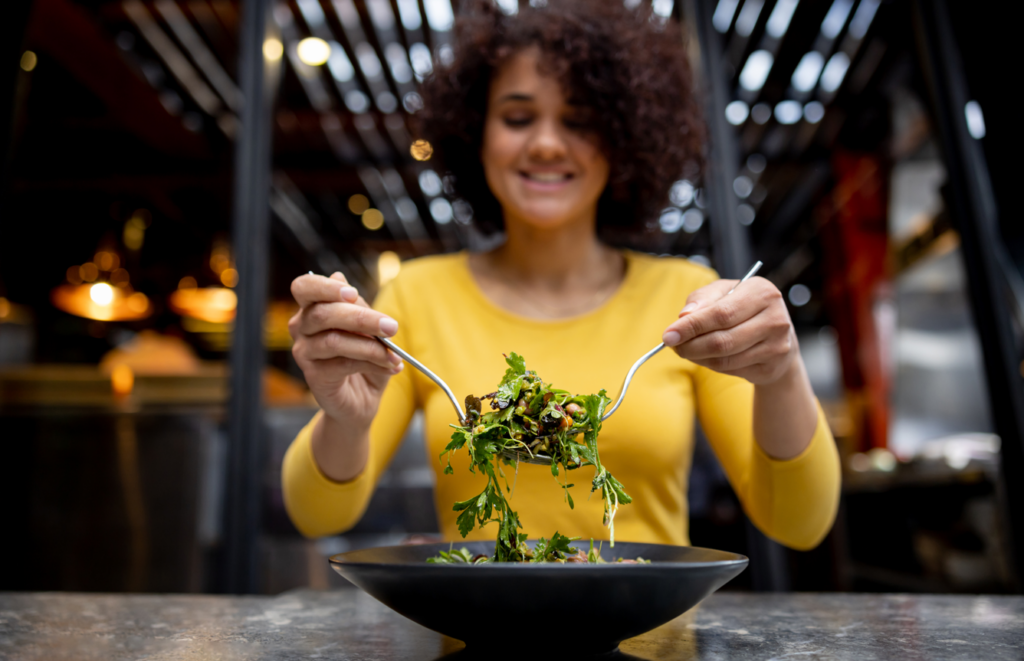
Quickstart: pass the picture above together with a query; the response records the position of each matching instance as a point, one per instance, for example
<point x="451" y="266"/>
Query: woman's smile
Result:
<point x="546" y="181"/>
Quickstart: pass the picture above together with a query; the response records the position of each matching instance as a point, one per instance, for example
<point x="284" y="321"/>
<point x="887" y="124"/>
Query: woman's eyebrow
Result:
<point x="515" y="96"/>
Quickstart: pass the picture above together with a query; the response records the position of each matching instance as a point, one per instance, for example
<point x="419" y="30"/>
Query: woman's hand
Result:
<point x="747" y="333"/>
<point x="345" y="370"/>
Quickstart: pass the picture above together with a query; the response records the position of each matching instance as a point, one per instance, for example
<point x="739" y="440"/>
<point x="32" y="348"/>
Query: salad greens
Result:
<point x="558" y="549"/>
<point x="529" y="417"/>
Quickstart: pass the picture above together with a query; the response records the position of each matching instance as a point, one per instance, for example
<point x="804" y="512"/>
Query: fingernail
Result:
<point x="690" y="307"/>
<point x="349" y="294"/>
<point x="671" y="338"/>
<point x="388" y="326"/>
<point x="399" y="367"/>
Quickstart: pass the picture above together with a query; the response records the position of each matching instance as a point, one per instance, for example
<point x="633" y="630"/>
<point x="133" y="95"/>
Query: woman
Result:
<point x="558" y="124"/>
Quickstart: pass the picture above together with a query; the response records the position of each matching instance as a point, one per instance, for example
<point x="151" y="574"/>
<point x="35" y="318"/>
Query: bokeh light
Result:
<point x="388" y="266"/>
<point x="122" y="380"/>
<point x="421" y="150"/>
<point x="88" y="272"/>
<point x="229" y="277"/>
<point x="373" y="219"/>
<point x="358" y="204"/>
<point x="799" y="295"/>
<point x="101" y="293"/>
<point x="313" y="51"/>
<point x="29" y="60"/>
<point x="273" y="49"/>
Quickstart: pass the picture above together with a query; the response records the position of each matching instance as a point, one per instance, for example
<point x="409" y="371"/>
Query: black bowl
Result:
<point x="588" y="609"/>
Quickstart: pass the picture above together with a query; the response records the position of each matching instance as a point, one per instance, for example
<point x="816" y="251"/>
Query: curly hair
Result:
<point x="628" y="66"/>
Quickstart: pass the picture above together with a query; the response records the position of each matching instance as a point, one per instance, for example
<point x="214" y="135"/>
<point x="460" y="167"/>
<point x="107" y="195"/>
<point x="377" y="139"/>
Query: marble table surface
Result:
<point x="348" y="624"/>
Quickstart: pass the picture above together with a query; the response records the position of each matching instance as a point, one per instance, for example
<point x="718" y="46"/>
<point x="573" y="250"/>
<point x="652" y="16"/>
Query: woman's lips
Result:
<point x="545" y="181"/>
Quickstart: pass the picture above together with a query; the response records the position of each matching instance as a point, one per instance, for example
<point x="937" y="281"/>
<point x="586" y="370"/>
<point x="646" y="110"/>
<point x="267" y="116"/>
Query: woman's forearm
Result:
<point x="340" y="450"/>
<point x="785" y="412"/>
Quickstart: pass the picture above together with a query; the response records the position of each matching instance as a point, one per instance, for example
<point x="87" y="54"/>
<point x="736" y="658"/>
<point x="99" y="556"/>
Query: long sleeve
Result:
<point x="792" y="501"/>
<point x="319" y="506"/>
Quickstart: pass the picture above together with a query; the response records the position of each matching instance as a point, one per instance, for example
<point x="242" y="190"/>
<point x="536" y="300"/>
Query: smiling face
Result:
<point x="542" y="163"/>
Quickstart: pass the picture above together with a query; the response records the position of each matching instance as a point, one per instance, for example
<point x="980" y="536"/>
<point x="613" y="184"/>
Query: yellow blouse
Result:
<point x="450" y="326"/>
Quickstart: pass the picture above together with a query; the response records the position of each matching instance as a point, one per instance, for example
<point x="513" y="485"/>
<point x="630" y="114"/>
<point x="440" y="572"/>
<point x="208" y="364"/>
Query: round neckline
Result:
<point x="476" y="292"/>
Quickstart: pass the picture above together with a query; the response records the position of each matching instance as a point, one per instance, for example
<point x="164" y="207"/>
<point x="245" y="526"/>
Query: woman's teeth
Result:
<point x="547" y="177"/>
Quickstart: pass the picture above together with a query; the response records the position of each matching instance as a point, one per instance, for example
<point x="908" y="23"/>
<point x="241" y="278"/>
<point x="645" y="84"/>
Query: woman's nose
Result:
<point x="547" y="142"/>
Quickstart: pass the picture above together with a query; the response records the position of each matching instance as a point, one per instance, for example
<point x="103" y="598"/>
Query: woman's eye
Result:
<point x="517" y="121"/>
<point x="578" y="121"/>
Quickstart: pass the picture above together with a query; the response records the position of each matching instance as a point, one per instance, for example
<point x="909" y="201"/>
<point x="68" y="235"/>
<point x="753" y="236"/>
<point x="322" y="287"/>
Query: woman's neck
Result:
<point x="549" y="273"/>
<point x="560" y="258"/>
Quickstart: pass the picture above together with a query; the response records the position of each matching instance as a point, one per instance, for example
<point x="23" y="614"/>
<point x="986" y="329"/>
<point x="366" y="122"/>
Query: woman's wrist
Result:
<point x="341" y="449"/>
<point x="785" y="412"/>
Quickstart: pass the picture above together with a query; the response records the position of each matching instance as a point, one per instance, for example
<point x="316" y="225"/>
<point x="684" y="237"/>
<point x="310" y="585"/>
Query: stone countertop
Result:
<point x="348" y="624"/>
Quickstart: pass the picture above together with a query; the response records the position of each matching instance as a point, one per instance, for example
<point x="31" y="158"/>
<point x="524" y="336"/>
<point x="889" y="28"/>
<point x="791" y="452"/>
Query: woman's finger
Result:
<point x="350" y="317"/>
<point x="769" y="353"/>
<point x="717" y="344"/>
<point x="727" y="312"/>
<point x="309" y="289"/>
<point x="337" y="369"/>
<point x="707" y="295"/>
<point x="339" y="344"/>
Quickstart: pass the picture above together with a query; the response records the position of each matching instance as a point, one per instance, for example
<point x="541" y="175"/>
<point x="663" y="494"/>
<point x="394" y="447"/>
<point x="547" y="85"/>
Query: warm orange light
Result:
<point x="74" y="275"/>
<point x="88" y="272"/>
<point x="101" y="302"/>
<point x="358" y="204"/>
<point x="212" y="304"/>
<point x="107" y="261"/>
<point x="421" y="150"/>
<point x="388" y="266"/>
<point x="119" y="277"/>
<point x="188" y="282"/>
<point x="373" y="219"/>
<point x="29" y="60"/>
<point x="134" y="232"/>
<point x="229" y="277"/>
<point x="137" y="302"/>
<point x="5" y="307"/>
<point x="102" y="294"/>
<point x="122" y="380"/>
<point x="220" y="257"/>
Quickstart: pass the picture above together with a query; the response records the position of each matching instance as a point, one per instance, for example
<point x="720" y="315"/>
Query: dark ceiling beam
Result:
<point x="341" y="181"/>
<point x="68" y="33"/>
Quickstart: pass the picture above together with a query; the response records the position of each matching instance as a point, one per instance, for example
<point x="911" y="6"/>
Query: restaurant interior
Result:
<point x="165" y="177"/>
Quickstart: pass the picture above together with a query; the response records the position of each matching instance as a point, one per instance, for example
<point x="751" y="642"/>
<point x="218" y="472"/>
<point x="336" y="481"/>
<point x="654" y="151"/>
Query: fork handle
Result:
<point x="647" y="356"/>
<point x="423" y="368"/>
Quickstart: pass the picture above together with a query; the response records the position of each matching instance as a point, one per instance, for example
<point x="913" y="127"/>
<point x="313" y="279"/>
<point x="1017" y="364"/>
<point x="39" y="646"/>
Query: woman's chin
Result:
<point x="544" y="218"/>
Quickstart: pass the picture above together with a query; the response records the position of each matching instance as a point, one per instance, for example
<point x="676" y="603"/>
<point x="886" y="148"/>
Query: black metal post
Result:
<point x="251" y="238"/>
<point x="730" y="242"/>
<point x="975" y="214"/>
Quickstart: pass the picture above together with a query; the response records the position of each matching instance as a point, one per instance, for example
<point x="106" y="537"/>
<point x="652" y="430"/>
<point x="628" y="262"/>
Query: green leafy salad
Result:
<point x="531" y="418"/>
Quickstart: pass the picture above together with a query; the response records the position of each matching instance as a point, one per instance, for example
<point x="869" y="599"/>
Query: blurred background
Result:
<point x="169" y="165"/>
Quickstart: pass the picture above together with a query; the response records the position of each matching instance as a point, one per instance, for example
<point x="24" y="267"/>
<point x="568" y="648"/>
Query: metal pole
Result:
<point x="251" y="238"/>
<point x="973" y="209"/>
<point x="730" y="243"/>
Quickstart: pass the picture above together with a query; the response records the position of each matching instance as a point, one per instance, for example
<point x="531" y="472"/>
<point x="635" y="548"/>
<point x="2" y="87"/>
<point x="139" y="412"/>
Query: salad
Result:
<point x="529" y="418"/>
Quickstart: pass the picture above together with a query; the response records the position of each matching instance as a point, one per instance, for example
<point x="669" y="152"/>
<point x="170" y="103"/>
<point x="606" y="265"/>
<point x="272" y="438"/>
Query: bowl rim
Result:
<point x="730" y="559"/>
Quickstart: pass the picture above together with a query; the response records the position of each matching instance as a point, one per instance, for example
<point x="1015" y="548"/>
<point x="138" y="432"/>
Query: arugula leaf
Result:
<point x="511" y="384"/>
